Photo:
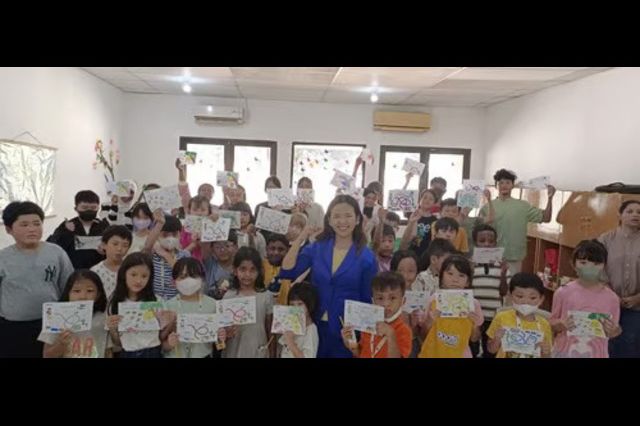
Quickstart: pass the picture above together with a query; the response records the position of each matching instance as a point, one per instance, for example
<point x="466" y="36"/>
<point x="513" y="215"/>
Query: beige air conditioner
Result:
<point x="395" y="121"/>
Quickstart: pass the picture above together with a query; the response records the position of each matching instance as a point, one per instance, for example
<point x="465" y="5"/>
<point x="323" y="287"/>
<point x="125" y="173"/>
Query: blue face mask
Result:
<point x="590" y="273"/>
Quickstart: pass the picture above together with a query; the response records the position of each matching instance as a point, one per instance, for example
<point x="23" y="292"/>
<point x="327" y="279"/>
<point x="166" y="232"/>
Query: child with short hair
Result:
<point x="393" y="337"/>
<point x="450" y="210"/>
<point x="393" y="220"/>
<point x="82" y="285"/>
<point x="430" y="265"/>
<point x="248" y="232"/>
<point x="305" y="295"/>
<point x="277" y="248"/>
<point x="164" y="245"/>
<point x="296" y="225"/>
<point x="115" y="242"/>
<point x="189" y="278"/>
<point x="417" y="235"/>
<point x="72" y="234"/>
<point x="32" y="272"/>
<point x="218" y="266"/>
<point x="383" y="240"/>
<point x="449" y="337"/>
<point x="490" y="283"/>
<point x="589" y="293"/>
<point x="527" y="291"/>
<point x="405" y="262"/>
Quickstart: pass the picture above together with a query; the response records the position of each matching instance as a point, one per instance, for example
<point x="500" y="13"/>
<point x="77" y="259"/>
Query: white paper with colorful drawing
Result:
<point x="343" y="181"/>
<point x="233" y="216"/>
<point x="73" y="316"/>
<point x="362" y="316"/>
<point x="454" y="303"/>
<point x="587" y="324"/>
<point x="193" y="224"/>
<point x="491" y="255"/>
<point x="237" y="311"/>
<point x="469" y="199"/>
<point x="538" y="183"/>
<point x="282" y="197"/>
<point x="406" y="201"/>
<point x="273" y="221"/>
<point x="139" y="316"/>
<point x="415" y="300"/>
<point x="305" y="196"/>
<point x="227" y="179"/>
<point x="414" y="167"/>
<point x="187" y="157"/>
<point x="215" y="231"/>
<point x="198" y="328"/>
<point x="521" y="341"/>
<point x="166" y="199"/>
<point x="288" y="318"/>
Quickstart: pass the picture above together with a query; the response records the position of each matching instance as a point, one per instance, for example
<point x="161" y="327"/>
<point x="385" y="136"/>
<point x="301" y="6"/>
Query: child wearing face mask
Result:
<point x="527" y="291"/>
<point x="589" y="293"/>
<point x="447" y="337"/>
<point x="75" y="236"/>
<point x="164" y="244"/>
<point x="393" y="336"/>
<point x="142" y="219"/>
<point x="189" y="278"/>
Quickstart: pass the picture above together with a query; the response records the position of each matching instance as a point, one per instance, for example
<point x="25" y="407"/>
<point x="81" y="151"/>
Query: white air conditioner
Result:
<point x="210" y="114"/>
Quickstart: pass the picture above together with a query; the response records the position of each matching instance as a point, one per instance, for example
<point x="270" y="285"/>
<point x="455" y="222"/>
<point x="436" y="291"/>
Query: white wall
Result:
<point x="154" y="124"/>
<point x="65" y="108"/>
<point x="583" y="134"/>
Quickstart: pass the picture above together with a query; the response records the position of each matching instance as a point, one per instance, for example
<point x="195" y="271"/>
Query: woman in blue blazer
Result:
<point x="342" y="267"/>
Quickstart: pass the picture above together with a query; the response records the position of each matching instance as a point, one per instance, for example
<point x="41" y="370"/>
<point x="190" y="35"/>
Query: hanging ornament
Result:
<point x="325" y="160"/>
<point x="302" y="170"/>
<point x="346" y="161"/>
<point x="248" y="169"/>
<point x="302" y="163"/>
<point x="326" y="151"/>
<point x="255" y="159"/>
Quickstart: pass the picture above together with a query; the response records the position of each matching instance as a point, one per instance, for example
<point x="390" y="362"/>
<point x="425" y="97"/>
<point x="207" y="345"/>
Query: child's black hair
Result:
<point x="121" y="291"/>
<point x="368" y="191"/>
<point x="375" y="186"/>
<point x="305" y="179"/>
<point x="449" y="202"/>
<point x="504" y="174"/>
<point x="446" y="224"/>
<point x="626" y="204"/>
<point x="388" y="281"/>
<point x="171" y="224"/>
<point x="387" y="231"/>
<point x="591" y="250"/>
<point x="526" y="280"/>
<point x="117" y="231"/>
<point x="274" y="180"/>
<point x="100" y="304"/>
<point x="438" y="247"/>
<point x="87" y="197"/>
<point x="192" y="266"/>
<point x="142" y="207"/>
<point x="252" y="255"/>
<point x="307" y="294"/>
<point x="430" y="191"/>
<point x="461" y="263"/>
<point x="400" y="255"/>
<point x="482" y="227"/>
<point x="199" y="200"/>
<point x="272" y="237"/>
<point x="243" y="207"/>
<point x="438" y="179"/>
<point x="392" y="217"/>
<point x="19" y="208"/>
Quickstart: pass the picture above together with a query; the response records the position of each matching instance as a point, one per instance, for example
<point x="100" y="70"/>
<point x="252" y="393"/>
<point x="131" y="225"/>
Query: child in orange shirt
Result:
<point x="393" y="336"/>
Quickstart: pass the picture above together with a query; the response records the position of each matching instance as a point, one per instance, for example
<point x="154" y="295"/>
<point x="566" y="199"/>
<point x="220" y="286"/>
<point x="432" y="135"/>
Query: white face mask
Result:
<point x="525" y="309"/>
<point x="189" y="286"/>
<point x="169" y="243"/>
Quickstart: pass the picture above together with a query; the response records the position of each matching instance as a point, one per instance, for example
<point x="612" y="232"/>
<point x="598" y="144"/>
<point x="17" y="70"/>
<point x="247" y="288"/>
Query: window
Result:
<point x="317" y="162"/>
<point x="254" y="161"/>
<point x="449" y="163"/>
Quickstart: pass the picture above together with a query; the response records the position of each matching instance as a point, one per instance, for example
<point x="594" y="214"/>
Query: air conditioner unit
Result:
<point x="209" y="114"/>
<point x="396" y="121"/>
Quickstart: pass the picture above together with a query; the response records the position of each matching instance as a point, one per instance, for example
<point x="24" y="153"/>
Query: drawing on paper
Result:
<point x="273" y="221"/>
<point x="469" y="199"/>
<point x="288" y="318"/>
<point x="282" y="197"/>
<point x="367" y="156"/>
<point x="139" y="316"/>
<point x="215" y="231"/>
<point x="538" y="183"/>
<point x="342" y="180"/>
<point x="588" y="324"/>
<point x="87" y="243"/>
<point x="473" y="185"/>
<point x="362" y="316"/>
<point x="233" y="216"/>
<point x="72" y="316"/>
<point x="522" y="341"/>
<point x="406" y="201"/>
<point x="237" y="311"/>
<point x="166" y="199"/>
<point x="454" y="303"/>
<point x="198" y="328"/>
<point x="227" y="179"/>
<point x="193" y="224"/>
<point x="414" y="167"/>
<point x="187" y="157"/>
<point x="305" y="196"/>
<point x="415" y="300"/>
<point x="491" y="255"/>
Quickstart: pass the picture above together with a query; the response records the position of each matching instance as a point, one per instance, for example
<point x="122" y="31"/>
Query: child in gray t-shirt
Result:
<point x="32" y="272"/>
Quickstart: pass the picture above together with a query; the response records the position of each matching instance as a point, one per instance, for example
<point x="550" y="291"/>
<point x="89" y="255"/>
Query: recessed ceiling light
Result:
<point x="209" y="108"/>
<point x="186" y="88"/>
<point x="374" y="97"/>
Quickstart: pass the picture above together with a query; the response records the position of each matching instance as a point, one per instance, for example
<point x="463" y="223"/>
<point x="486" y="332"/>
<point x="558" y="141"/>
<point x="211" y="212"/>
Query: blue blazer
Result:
<point x="351" y="281"/>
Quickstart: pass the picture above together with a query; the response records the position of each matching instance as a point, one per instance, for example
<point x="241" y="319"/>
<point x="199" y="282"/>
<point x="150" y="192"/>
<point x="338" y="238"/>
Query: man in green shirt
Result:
<point x="510" y="218"/>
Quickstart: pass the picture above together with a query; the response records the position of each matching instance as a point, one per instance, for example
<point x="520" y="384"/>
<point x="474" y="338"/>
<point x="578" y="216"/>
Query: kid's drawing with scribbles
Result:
<point x="73" y="316"/>
<point x="454" y="303"/>
<point x="288" y="318"/>
<point x="237" y="311"/>
<point x="587" y="324"/>
<point x="139" y="316"/>
<point x="198" y="328"/>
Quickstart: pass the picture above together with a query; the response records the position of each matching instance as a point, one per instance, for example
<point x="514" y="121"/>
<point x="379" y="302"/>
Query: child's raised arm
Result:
<point x="183" y="186"/>
<point x="411" y="230"/>
<point x="153" y="236"/>
<point x="377" y="238"/>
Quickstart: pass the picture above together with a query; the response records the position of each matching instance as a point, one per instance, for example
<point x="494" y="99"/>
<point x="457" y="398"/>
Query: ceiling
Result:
<point x="443" y="86"/>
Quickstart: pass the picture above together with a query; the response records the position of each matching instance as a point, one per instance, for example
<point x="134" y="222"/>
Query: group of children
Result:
<point x="151" y="257"/>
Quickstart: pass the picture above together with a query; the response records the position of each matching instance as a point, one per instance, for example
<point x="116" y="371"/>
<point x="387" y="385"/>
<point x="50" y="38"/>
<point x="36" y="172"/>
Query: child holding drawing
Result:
<point x="304" y="295"/>
<point x="250" y="340"/>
